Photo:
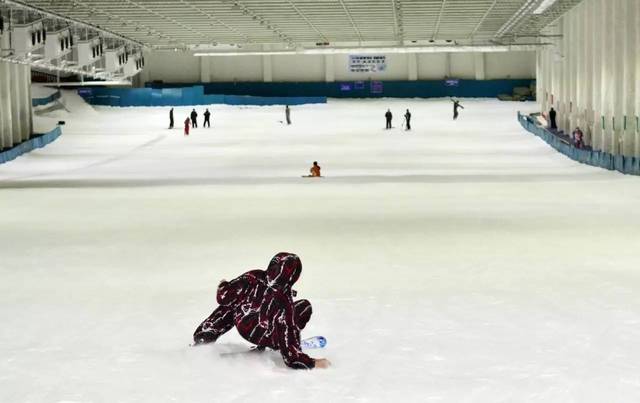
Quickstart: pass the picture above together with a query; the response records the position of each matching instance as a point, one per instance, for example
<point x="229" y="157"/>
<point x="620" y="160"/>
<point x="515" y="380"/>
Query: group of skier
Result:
<point x="191" y="122"/>
<point x="407" y="116"/>
<point x="407" y="119"/>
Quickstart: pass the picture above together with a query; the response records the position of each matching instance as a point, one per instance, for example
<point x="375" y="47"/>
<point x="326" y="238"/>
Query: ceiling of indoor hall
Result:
<point x="182" y="23"/>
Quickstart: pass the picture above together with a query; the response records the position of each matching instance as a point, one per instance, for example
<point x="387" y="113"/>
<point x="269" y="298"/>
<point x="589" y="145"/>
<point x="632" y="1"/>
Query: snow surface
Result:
<point x="462" y="262"/>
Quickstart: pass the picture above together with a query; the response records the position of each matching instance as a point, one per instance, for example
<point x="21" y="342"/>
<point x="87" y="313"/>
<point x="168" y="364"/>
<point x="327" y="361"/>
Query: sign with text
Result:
<point x="367" y="63"/>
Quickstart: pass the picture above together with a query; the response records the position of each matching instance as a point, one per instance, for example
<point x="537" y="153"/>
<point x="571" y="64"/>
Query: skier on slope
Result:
<point x="388" y="116"/>
<point x="456" y="105"/>
<point x="187" y="123"/>
<point x="171" y="119"/>
<point x="407" y="120"/>
<point x="207" y="116"/>
<point x="260" y="305"/>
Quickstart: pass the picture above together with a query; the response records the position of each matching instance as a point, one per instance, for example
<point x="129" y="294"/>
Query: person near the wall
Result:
<point x="578" y="138"/>
<point x="388" y="116"/>
<point x="171" y="119"/>
<point x="552" y="119"/>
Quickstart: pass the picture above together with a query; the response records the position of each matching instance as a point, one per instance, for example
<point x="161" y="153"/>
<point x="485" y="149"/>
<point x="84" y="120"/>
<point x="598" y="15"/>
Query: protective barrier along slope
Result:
<point x="601" y="159"/>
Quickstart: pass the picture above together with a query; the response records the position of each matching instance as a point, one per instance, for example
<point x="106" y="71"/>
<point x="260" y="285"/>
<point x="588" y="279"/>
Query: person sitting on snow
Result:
<point x="260" y="305"/>
<point x="315" y="170"/>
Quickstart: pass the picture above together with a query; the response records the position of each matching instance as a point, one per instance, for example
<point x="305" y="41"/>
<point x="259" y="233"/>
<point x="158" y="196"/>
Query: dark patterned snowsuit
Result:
<point x="260" y="305"/>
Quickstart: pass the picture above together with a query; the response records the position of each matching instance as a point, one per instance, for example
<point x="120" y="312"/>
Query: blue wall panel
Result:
<point x="183" y="96"/>
<point x="364" y="89"/>
<point x="35" y="142"/>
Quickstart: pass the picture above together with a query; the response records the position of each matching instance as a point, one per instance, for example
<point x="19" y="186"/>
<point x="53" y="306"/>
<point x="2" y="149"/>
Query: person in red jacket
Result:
<point x="260" y="305"/>
<point x="187" y="123"/>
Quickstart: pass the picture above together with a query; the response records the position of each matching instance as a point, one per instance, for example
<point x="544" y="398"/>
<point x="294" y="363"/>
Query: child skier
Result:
<point x="260" y="305"/>
<point x="187" y="124"/>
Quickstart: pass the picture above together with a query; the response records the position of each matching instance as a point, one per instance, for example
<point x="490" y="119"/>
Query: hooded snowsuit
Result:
<point x="260" y="305"/>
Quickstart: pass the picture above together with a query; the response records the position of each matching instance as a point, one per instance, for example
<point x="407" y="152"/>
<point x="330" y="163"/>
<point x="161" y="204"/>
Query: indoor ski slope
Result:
<point x="461" y="262"/>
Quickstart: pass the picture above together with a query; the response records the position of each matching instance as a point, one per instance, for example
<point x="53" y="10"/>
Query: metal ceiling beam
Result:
<point x="484" y="17"/>
<point x="437" y="28"/>
<point x="304" y="17"/>
<point x="353" y="23"/>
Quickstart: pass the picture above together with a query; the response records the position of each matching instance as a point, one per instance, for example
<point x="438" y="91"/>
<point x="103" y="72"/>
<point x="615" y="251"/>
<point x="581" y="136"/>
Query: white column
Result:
<point x="479" y="64"/>
<point x="24" y="110"/>
<point x="447" y="65"/>
<point x="572" y="50"/>
<point x="205" y="69"/>
<point x="587" y="27"/>
<point x="628" y="87"/>
<point x="412" y="66"/>
<point x="329" y="69"/>
<point x="606" y="72"/>
<point x="619" y="24"/>
<point x="637" y="83"/>
<point x="267" y="72"/>
<point x="6" y="125"/>
<point x="16" y="102"/>
<point x="27" y="102"/>
<point x="597" y="61"/>
<point x="563" y="113"/>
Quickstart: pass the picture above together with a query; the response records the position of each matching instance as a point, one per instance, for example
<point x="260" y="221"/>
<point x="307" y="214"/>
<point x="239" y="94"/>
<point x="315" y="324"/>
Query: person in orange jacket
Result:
<point x="187" y="124"/>
<point x="315" y="170"/>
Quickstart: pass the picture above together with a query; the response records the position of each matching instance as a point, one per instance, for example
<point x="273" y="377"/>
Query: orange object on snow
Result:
<point x="315" y="169"/>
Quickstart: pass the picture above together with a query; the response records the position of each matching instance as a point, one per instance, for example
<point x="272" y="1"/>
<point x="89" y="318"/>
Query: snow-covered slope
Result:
<point x="461" y="262"/>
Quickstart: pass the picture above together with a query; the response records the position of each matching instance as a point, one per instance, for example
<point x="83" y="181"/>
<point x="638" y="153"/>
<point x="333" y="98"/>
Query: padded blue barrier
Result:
<point x="45" y="100"/>
<point x="621" y="163"/>
<point x="182" y="96"/>
<point x="363" y="89"/>
<point x="39" y="141"/>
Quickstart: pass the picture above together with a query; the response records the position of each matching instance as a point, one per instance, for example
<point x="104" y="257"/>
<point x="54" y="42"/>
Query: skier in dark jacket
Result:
<point x="407" y="119"/>
<point x="260" y="305"/>
<point x="456" y="105"/>
<point x="388" y="116"/>
<point x="552" y="119"/>
<point x="207" y="115"/>
<point x="287" y="114"/>
<point x="194" y="117"/>
<point x="171" y="119"/>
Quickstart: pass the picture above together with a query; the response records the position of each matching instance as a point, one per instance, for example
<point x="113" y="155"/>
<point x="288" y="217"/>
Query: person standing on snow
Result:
<point x="388" y="116"/>
<point x="207" y="115"/>
<point x="287" y="114"/>
<point x="171" y="119"/>
<point x="187" y="123"/>
<point x="456" y="105"/>
<point x="194" y="117"/>
<point x="260" y="305"/>
<point x="407" y="119"/>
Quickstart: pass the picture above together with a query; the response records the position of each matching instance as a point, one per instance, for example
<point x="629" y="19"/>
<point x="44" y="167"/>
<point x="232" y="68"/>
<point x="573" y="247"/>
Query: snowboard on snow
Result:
<point x="311" y="343"/>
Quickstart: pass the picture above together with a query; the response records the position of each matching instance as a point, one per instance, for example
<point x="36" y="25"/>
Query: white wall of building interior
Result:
<point x="182" y="67"/>
<point x="591" y="74"/>
<point x="16" y="122"/>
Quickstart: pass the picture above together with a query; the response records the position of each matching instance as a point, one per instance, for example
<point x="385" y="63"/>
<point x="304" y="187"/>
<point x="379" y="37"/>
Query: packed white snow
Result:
<point x="463" y="261"/>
